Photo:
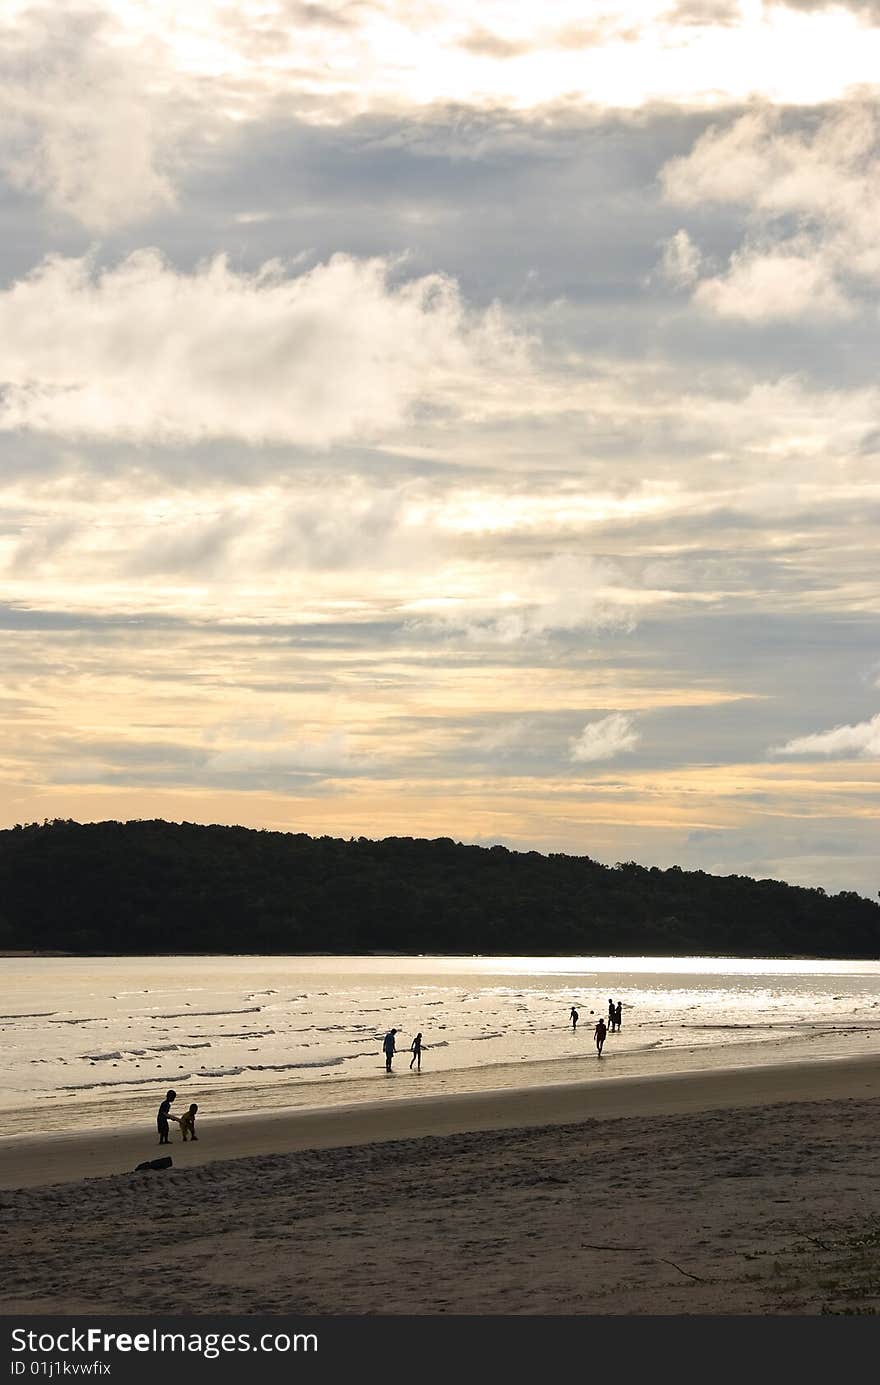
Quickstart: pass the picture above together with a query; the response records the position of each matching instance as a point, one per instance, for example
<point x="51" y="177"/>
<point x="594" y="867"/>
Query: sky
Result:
<point x="428" y="419"/>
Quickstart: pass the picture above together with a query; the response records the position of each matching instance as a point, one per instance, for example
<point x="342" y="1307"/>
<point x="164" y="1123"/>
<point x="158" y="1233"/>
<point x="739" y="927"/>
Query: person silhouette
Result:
<point x="389" y="1048"/>
<point x="574" y="1017"/>
<point x="187" y="1123"/>
<point x="162" y="1117"/>
<point x="599" y="1034"/>
<point x="618" y="1015"/>
<point x="610" y="1013"/>
<point x="416" y="1049"/>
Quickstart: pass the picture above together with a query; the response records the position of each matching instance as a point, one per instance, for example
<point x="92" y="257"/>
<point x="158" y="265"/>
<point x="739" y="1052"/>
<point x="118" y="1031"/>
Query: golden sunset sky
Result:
<point x="429" y="419"/>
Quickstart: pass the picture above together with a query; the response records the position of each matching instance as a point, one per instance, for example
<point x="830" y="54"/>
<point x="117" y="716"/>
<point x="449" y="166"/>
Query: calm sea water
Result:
<point x="94" y="1041"/>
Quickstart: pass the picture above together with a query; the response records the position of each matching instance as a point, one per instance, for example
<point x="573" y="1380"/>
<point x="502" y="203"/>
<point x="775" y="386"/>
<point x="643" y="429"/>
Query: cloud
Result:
<point x="603" y="739"/>
<point x="112" y="113"/>
<point x="486" y="44"/>
<point x="143" y="352"/>
<point x="108" y="107"/>
<point x="505" y="737"/>
<point x="705" y="12"/>
<point x="862" y="739"/>
<point x="536" y="37"/>
<point x="823" y="169"/>
<point x="811" y="198"/>
<point x="681" y="260"/>
<point x="330" y="754"/>
<point x="567" y="592"/>
<point x="81" y="127"/>
<point x="776" y="286"/>
<point x="866" y="10"/>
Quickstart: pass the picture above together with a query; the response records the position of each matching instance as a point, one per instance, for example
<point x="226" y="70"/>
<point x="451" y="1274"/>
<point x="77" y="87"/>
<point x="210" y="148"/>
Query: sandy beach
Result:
<point x="724" y="1192"/>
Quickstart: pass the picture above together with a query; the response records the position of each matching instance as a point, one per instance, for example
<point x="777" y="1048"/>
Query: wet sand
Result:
<point x="30" y="1160"/>
<point x="734" y="1192"/>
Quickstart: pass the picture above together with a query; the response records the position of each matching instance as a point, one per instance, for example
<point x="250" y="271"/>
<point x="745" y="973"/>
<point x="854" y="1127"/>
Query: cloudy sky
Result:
<point x="428" y="419"/>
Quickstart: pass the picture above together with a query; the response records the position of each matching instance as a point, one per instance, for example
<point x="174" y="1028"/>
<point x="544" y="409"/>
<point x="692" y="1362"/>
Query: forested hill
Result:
<point x="135" y="887"/>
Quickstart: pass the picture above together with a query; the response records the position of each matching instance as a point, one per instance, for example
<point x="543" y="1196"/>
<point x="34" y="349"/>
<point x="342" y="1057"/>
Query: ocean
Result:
<point x="96" y="1041"/>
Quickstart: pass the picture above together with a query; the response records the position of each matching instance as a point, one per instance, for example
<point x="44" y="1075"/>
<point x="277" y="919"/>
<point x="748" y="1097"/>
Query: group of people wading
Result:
<point x="601" y="1030"/>
<point x="187" y="1119"/>
<point x="615" y="1014"/>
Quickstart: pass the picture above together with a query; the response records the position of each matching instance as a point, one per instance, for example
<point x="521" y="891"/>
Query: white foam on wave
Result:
<point x="124" y="1082"/>
<point x="91" y="1019"/>
<point x="198" y="1014"/>
<point x="270" y="1067"/>
<point x="33" y="1015"/>
<point x="242" y="1034"/>
<point x="130" y="1053"/>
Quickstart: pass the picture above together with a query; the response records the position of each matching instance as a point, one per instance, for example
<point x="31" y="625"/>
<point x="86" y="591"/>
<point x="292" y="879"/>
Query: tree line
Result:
<point x="162" y="887"/>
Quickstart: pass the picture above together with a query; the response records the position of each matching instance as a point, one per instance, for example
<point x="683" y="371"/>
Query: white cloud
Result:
<point x="142" y="352"/>
<point x="705" y="12"/>
<point x="681" y="260"/>
<point x="824" y="178"/>
<point x="81" y="127"/>
<point x="566" y="592"/>
<point x="390" y="52"/>
<point x="510" y="735"/>
<point x="102" y="105"/>
<point x="776" y="286"/>
<point x="861" y="739"/>
<point x="825" y="169"/>
<point x="867" y="10"/>
<point x="603" y="739"/>
<point x="331" y="753"/>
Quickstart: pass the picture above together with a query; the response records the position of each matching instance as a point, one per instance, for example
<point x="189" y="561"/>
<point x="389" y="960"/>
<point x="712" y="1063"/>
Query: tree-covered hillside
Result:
<point x="135" y="887"/>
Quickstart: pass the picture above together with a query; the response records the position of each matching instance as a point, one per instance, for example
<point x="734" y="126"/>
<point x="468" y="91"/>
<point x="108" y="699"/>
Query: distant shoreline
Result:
<point x="159" y="886"/>
<point x="426" y="956"/>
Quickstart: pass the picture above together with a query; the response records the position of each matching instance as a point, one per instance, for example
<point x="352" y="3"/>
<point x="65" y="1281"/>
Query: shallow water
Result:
<point x="93" y="1041"/>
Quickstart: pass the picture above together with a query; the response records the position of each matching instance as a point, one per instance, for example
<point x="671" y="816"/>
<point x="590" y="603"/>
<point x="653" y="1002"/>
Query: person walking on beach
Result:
<point x="618" y="1015"/>
<point x="599" y="1034"/>
<point x="162" y="1117"/>
<point x="416" y="1049"/>
<point x="389" y="1048"/>
<point x="574" y="1017"/>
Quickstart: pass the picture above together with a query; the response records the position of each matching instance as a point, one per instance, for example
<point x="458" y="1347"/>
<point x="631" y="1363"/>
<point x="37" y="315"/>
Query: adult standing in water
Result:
<point x="573" y="1016"/>
<point x="618" y="1015"/>
<point x="610" y="1013"/>
<point x="416" y="1048"/>
<point x="599" y="1034"/>
<point x="389" y="1048"/>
